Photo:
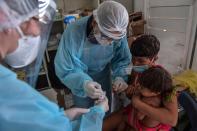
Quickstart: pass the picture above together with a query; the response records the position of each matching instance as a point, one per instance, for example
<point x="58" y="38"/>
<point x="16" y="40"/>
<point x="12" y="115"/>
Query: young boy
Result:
<point x="144" y="52"/>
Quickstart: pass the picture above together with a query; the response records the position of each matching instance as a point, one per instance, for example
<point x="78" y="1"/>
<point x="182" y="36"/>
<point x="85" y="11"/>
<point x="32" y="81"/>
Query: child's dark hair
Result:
<point x="145" y="46"/>
<point x="157" y="80"/>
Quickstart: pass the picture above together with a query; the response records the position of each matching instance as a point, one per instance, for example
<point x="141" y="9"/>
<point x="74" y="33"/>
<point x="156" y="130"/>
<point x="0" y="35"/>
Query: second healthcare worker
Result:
<point x="90" y="50"/>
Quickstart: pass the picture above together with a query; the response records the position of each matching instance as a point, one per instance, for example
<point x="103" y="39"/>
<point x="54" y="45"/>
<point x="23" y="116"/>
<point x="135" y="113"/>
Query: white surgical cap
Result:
<point x="15" y="12"/>
<point x="111" y="17"/>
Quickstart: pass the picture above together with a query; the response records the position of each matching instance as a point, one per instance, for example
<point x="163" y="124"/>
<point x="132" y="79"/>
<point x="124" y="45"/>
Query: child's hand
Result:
<point x="135" y="100"/>
<point x="131" y="90"/>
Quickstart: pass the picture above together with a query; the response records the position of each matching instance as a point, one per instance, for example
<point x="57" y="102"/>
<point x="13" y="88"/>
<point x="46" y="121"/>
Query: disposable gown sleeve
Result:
<point x="121" y="59"/>
<point x="91" y="121"/>
<point x="23" y="108"/>
<point x="68" y="66"/>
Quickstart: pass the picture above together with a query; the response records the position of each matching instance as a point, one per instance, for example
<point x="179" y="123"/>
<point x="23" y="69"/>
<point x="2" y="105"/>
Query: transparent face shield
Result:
<point x="45" y="17"/>
<point x="39" y="66"/>
<point x="100" y="37"/>
<point x="96" y="36"/>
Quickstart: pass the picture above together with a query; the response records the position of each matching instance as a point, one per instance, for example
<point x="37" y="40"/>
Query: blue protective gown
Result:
<point x="24" y="109"/>
<point x="78" y="60"/>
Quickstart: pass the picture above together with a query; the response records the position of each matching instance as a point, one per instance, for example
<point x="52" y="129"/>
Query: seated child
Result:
<point x="153" y="107"/>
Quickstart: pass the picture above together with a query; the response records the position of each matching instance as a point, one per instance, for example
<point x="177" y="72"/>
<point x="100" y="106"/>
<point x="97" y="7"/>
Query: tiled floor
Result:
<point x="50" y="94"/>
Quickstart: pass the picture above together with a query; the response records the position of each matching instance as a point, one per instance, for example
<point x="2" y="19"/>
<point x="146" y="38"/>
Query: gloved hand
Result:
<point x="103" y="103"/>
<point x="93" y="89"/>
<point x="119" y="85"/>
<point x="73" y="113"/>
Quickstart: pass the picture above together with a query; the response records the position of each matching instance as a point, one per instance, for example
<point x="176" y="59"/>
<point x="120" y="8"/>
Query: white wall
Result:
<point x="139" y="5"/>
<point x="128" y="4"/>
<point x="60" y="4"/>
<point x="70" y="5"/>
<point x="194" y="66"/>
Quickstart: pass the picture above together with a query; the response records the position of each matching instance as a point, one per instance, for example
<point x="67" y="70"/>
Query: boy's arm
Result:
<point x="167" y="114"/>
<point x="152" y="101"/>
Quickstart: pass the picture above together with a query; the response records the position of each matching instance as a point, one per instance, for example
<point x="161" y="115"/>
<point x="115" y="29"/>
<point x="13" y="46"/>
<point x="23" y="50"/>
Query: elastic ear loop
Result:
<point x="20" y="32"/>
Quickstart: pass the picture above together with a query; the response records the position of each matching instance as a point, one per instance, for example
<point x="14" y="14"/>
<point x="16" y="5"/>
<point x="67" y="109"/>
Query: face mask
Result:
<point x="140" y="69"/>
<point x="25" y="53"/>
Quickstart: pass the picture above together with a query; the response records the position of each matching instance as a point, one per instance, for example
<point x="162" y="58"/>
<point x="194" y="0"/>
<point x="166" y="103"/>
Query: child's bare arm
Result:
<point x="167" y="114"/>
<point x="113" y="121"/>
<point x="152" y="101"/>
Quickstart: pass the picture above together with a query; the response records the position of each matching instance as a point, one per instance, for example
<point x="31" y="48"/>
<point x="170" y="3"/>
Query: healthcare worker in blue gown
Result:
<point x="21" y="107"/>
<point x="90" y="50"/>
